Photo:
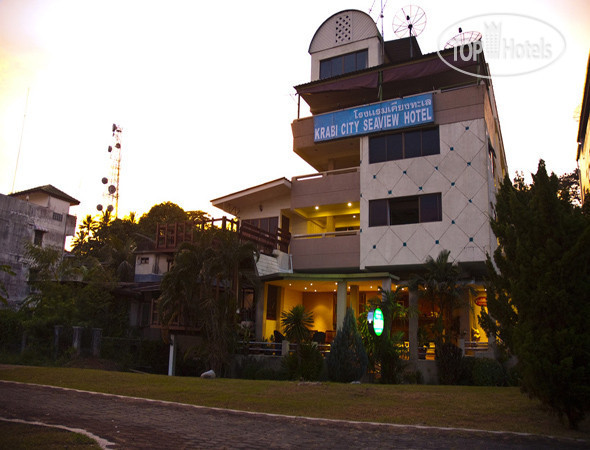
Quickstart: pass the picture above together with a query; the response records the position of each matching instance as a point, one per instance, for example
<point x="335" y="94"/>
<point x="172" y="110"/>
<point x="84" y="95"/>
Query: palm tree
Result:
<point x="202" y="288"/>
<point x="296" y="324"/>
<point x="82" y="245"/>
<point x="440" y="285"/>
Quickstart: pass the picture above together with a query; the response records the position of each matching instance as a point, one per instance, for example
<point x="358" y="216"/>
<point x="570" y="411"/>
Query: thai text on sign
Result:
<point x="383" y="116"/>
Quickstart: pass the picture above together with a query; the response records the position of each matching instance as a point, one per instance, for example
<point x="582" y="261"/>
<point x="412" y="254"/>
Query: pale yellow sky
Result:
<point x="204" y="91"/>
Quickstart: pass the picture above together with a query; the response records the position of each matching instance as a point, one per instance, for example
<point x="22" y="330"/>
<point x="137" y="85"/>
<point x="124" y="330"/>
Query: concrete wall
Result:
<point x="459" y="173"/>
<point x="328" y="253"/>
<point x="154" y="268"/>
<point x="18" y="221"/>
<point x="329" y="41"/>
<point x="462" y="173"/>
<point x="321" y="304"/>
<point x="325" y="189"/>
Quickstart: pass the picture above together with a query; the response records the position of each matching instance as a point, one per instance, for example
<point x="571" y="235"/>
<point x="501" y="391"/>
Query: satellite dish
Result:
<point x="464" y="37"/>
<point x="105" y="180"/>
<point x="99" y="207"/>
<point x="110" y="208"/>
<point x="409" y="21"/>
<point x="112" y="189"/>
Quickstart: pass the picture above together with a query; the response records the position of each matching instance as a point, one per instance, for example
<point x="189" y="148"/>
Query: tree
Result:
<point x="83" y="242"/>
<point x="72" y="291"/>
<point x="163" y="213"/>
<point x="385" y="352"/>
<point x="347" y="360"/>
<point x="539" y="291"/>
<point x="202" y="287"/>
<point x="441" y="287"/>
<point x="569" y="185"/>
<point x="297" y="323"/>
<point x="3" y="292"/>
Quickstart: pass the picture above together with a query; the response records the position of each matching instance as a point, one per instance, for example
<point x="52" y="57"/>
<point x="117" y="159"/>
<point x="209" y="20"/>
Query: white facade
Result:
<point x="461" y="173"/>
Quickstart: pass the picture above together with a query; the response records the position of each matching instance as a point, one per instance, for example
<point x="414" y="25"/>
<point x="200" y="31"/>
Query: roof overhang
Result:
<point x="424" y="73"/>
<point x="50" y="190"/>
<point x="234" y="203"/>
<point x="314" y="282"/>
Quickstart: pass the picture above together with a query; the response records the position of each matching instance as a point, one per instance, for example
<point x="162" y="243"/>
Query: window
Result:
<point x="272" y="302"/>
<point x="268" y="224"/>
<point x="405" y="210"/>
<point x="38" y="238"/>
<point x="492" y="156"/>
<point x="58" y="217"/>
<point x="144" y="260"/>
<point x="351" y="62"/>
<point x="407" y="144"/>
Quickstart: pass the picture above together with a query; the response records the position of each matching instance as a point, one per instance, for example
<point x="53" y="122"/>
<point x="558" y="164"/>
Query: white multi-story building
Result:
<point x="408" y="152"/>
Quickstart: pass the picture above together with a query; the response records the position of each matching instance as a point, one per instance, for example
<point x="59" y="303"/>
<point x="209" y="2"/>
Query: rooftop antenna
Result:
<point x="463" y="38"/>
<point x="111" y="196"/>
<point x="409" y="21"/>
<point x="380" y="18"/>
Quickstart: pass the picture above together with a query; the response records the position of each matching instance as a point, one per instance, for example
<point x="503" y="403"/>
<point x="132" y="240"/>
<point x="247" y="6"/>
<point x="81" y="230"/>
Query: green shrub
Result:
<point x="488" y="372"/>
<point x="466" y="371"/>
<point x="306" y="363"/>
<point x="448" y="362"/>
<point x="413" y="377"/>
<point x="11" y="329"/>
<point x="347" y="360"/>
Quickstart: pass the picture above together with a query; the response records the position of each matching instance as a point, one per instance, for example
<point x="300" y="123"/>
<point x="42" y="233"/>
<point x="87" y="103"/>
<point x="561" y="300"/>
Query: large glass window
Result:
<point x="405" y="210"/>
<point x="268" y="224"/>
<point x="339" y="65"/>
<point x="405" y="144"/>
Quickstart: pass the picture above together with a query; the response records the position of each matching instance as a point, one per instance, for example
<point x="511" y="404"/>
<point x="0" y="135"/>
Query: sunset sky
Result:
<point x="204" y="91"/>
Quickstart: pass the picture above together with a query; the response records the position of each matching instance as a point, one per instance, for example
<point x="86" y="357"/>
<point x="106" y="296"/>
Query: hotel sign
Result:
<point x="383" y="116"/>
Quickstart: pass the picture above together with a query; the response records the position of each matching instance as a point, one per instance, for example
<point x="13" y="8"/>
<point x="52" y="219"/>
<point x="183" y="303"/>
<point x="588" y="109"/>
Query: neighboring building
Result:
<point x="408" y="153"/>
<point x="583" y="154"/>
<point x="40" y="216"/>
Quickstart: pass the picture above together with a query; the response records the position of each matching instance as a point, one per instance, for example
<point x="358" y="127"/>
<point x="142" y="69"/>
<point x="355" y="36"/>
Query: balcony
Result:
<point x="326" y="188"/>
<point x="327" y="155"/>
<point x="170" y="236"/>
<point x="332" y="251"/>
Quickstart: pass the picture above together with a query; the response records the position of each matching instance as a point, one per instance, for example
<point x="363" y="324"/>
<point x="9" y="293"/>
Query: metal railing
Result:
<point x="326" y="234"/>
<point x="318" y="175"/>
<point x="275" y="348"/>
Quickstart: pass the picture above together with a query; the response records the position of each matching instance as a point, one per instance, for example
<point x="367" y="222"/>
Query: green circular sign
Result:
<point x="378" y="321"/>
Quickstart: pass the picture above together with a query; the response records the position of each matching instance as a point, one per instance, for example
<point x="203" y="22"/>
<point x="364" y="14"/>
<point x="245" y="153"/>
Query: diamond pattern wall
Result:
<point x="459" y="173"/>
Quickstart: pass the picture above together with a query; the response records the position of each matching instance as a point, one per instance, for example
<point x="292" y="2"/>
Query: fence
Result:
<point x="275" y="348"/>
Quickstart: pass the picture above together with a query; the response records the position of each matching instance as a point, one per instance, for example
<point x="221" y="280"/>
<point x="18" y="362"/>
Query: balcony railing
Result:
<point x="170" y="236"/>
<point x="326" y="188"/>
<point x="331" y="250"/>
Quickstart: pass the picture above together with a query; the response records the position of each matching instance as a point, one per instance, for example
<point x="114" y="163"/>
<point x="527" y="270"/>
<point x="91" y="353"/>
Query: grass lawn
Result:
<point x="484" y="408"/>
<point x="16" y="436"/>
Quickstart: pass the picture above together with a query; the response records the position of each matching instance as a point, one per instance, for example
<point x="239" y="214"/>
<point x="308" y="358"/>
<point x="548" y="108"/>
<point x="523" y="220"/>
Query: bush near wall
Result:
<point x="481" y="372"/>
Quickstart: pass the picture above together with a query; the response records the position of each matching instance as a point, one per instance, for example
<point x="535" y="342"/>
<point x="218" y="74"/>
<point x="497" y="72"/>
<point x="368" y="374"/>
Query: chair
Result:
<point x="319" y="337"/>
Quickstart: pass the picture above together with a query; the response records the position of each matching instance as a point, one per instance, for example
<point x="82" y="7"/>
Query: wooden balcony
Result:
<point x="170" y="236"/>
